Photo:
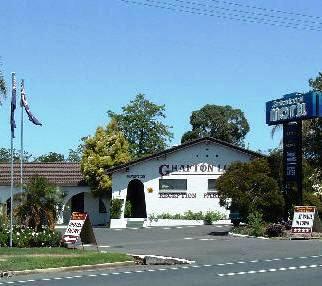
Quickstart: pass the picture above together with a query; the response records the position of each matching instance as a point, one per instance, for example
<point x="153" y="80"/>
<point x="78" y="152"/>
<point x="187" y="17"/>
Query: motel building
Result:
<point x="172" y="181"/>
<point x="176" y="180"/>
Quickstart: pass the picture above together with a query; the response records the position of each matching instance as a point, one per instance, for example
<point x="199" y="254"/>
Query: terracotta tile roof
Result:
<point x="60" y="174"/>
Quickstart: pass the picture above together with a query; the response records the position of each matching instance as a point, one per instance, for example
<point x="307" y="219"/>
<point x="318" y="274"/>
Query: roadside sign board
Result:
<point x="79" y="228"/>
<point x="305" y="221"/>
<point x="294" y="107"/>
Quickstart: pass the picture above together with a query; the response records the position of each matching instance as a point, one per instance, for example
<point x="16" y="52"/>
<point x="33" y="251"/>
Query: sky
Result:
<point x="82" y="58"/>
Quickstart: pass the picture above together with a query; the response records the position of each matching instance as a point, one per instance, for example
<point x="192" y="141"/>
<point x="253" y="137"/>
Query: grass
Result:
<point x="35" y="258"/>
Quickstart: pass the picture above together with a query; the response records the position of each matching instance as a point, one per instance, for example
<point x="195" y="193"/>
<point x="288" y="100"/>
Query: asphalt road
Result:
<point x="219" y="260"/>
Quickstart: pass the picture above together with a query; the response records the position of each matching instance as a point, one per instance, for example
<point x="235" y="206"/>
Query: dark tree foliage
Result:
<point x="221" y="122"/>
<point x="50" y="157"/>
<point x="249" y="187"/>
<point x="3" y="88"/>
<point x="141" y="123"/>
<point x="316" y="83"/>
<point x="5" y="156"/>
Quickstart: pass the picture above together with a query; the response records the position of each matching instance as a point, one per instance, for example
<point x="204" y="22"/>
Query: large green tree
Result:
<point x="107" y="148"/>
<point x="141" y="123"/>
<point x="249" y="187"/>
<point x="221" y="122"/>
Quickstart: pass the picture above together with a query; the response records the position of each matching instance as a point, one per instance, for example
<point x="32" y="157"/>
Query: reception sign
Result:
<point x="294" y="107"/>
<point x="79" y="228"/>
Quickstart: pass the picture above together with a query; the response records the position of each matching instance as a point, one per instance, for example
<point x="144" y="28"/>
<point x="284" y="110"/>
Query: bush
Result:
<point x="256" y="224"/>
<point x="211" y="217"/>
<point x="128" y="209"/>
<point x="208" y="218"/>
<point x="28" y="237"/>
<point x="116" y="208"/>
<point x="275" y="230"/>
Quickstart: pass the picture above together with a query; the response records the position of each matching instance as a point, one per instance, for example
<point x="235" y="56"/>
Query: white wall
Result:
<point x="197" y="182"/>
<point x="91" y="204"/>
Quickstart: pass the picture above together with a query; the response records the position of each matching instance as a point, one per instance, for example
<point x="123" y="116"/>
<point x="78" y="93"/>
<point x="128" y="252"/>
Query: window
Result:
<point x="211" y="184"/>
<point x="172" y="184"/>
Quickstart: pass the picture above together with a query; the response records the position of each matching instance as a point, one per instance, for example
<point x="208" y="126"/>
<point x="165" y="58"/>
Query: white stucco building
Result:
<point x="67" y="177"/>
<point x="176" y="180"/>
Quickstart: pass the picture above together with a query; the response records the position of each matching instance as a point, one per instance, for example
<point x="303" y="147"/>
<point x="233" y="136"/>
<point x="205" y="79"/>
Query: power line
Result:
<point x="213" y="13"/>
<point x="265" y="9"/>
<point x="245" y="12"/>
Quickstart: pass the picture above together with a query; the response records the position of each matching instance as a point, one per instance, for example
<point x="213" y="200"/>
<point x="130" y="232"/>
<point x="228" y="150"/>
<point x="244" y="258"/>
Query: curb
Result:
<point x="248" y="236"/>
<point x="66" y="268"/>
<point x="158" y="260"/>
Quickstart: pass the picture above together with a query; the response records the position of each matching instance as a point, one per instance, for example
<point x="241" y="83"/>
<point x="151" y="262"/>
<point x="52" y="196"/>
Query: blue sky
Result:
<point x="82" y="58"/>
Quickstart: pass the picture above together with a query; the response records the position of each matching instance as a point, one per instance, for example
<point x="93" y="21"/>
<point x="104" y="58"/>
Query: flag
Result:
<point x="13" y="105"/>
<point x="24" y="103"/>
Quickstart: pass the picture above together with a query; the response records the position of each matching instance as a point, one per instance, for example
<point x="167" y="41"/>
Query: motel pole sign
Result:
<point x="290" y="111"/>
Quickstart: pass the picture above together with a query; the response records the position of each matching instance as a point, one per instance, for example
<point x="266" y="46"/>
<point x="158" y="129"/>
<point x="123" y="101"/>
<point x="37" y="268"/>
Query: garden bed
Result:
<point x="14" y="259"/>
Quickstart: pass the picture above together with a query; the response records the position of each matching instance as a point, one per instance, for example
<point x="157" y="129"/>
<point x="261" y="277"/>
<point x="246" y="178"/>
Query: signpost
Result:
<point x="79" y="229"/>
<point x="290" y="111"/>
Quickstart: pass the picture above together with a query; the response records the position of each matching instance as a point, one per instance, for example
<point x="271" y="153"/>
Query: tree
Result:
<point x="39" y="204"/>
<point x="76" y="155"/>
<point x="249" y="187"/>
<point x="316" y="83"/>
<point x="140" y="121"/>
<point x="220" y="122"/>
<point x="107" y="148"/>
<point x="50" y="157"/>
<point x="5" y="156"/>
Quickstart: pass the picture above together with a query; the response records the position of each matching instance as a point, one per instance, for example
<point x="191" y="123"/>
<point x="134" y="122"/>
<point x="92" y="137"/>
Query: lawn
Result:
<point x="39" y="258"/>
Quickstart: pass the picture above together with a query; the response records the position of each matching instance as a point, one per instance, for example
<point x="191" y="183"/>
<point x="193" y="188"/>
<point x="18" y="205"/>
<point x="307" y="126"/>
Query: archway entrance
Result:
<point x="135" y="195"/>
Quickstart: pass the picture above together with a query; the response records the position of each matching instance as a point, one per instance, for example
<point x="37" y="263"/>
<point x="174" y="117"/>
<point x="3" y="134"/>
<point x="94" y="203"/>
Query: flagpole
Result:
<point x="13" y="76"/>
<point x="21" y="137"/>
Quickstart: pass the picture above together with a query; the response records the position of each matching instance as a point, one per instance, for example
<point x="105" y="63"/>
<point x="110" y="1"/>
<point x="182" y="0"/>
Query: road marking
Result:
<point x="151" y="270"/>
<point x="166" y="228"/>
<point x="269" y="270"/>
<point x="162" y="269"/>
<point x="105" y="274"/>
<point x="188" y="238"/>
<point x="92" y="275"/>
<point x="179" y="227"/>
<point x="207" y="265"/>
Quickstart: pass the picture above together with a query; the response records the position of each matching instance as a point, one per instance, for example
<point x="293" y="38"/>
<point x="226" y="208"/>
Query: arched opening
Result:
<point x="136" y="197"/>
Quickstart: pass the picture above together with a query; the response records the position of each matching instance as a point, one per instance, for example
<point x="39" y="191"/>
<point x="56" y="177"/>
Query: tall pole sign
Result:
<point x="290" y="111"/>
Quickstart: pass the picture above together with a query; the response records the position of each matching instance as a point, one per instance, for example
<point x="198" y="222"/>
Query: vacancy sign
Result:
<point x="304" y="220"/>
<point x="79" y="227"/>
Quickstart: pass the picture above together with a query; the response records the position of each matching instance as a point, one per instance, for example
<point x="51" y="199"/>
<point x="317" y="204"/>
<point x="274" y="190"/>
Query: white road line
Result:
<point x="128" y="272"/>
<point x="185" y="267"/>
<point x="174" y="268"/>
<point x="58" y="278"/>
<point x="105" y="274"/>
<point x="241" y="262"/>
<point x="179" y="227"/>
<point x="207" y="265"/>
<point x="151" y="270"/>
<point x="116" y="273"/>
<point x="77" y="276"/>
<point x="162" y="269"/>
<point x="92" y="275"/>
<point x="269" y="270"/>
<point x="188" y="238"/>
<point x="166" y="228"/>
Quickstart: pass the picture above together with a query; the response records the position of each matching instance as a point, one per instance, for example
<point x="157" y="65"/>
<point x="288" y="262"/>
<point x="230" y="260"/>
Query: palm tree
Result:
<point x="39" y="204"/>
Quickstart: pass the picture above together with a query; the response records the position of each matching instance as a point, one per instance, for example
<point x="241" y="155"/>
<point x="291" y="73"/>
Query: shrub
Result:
<point x="28" y="237"/>
<point x="128" y="209"/>
<point x="211" y="217"/>
<point x="274" y="230"/>
<point x="116" y="208"/>
<point x="256" y="224"/>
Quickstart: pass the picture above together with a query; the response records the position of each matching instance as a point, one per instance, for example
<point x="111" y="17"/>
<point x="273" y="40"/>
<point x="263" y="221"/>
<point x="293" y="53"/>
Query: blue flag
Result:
<point x="13" y="105"/>
<point x="24" y="103"/>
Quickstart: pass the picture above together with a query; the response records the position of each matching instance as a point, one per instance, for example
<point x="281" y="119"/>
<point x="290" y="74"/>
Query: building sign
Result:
<point x="203" y="168"/>
<point x="292" y="154"/>
<point x="79" y="227"/>
<point x="135" y="176"/>
<point x="304" y="220"/>
<point x="177" y="195"/>
<point x="294" y="107"/>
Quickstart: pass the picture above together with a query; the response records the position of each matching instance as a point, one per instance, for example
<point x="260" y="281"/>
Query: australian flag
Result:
<point x="24" y="103"/>
<point x="13" y="105"/>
